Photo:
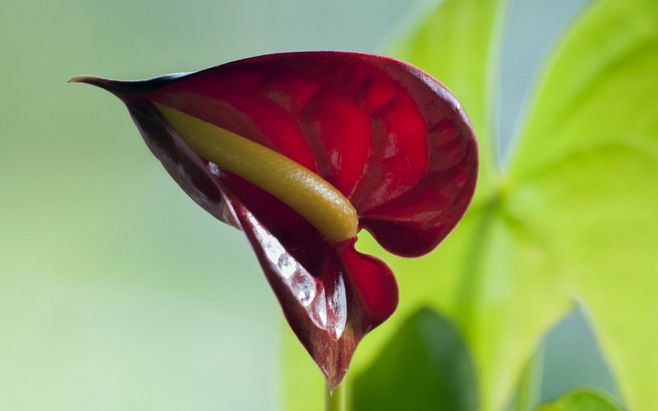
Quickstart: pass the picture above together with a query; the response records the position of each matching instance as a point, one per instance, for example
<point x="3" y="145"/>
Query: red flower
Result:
<point x="393" y="144"/>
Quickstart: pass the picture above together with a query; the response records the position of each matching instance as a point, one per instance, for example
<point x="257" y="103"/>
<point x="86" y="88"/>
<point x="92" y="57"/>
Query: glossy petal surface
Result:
<point x="387" y="136"/>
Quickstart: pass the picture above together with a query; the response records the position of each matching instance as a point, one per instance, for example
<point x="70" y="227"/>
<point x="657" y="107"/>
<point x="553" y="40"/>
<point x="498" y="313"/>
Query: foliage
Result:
<point x="581" y="401"/>
<point x="573" y="218"/>
<point x="440" y="368"/>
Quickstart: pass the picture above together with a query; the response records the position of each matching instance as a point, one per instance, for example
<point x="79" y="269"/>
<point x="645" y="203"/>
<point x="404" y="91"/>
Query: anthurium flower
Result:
<point x="300" y="151"/>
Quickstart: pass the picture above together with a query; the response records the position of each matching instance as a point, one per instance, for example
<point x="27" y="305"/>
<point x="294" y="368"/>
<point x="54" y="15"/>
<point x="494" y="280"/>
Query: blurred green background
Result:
<point x="116" y="291"/>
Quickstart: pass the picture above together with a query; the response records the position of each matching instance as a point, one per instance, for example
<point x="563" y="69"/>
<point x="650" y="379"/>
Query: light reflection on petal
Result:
<point x="328" y="312"/>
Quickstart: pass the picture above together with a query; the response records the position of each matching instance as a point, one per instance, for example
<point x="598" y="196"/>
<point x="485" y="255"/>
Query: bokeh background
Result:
<point x="116" y="291"/>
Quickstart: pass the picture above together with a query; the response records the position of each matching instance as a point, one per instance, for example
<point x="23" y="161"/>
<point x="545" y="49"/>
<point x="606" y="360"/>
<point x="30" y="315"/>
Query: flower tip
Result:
<point x="93" y="80"/>
<point x="83" y="79"/>
<point x="116" y="87"/>
<point x="77" y="79"/>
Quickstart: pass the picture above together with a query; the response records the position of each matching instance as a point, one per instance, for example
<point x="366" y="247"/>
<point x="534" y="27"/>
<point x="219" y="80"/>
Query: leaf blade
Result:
<point x="525" y="231"/>
<point x="426" y="363"/>
<point x="589" y="153"/>
<point x="582" y="400"/>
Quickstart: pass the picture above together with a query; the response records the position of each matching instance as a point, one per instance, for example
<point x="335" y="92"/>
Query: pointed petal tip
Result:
<point x="78" y="79"/>
<point x="86" y="79"/>
<point x="124" y="88"/>
<point x="103" y="83"/>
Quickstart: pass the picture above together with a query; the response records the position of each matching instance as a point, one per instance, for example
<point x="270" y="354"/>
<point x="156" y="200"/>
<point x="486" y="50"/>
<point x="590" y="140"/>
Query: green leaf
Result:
<point x="574" y="221"/>
<point x="588" y="167"/>
<point x="425" y="363"/>
<point x="495" y="278"/>
<point x="599" y="87"/>
<point x="582" y="401"/>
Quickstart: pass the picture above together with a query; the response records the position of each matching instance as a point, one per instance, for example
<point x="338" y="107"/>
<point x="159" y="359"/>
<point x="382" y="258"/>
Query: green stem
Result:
<point x="337" y="400"/>
<point x="529" y="390"/>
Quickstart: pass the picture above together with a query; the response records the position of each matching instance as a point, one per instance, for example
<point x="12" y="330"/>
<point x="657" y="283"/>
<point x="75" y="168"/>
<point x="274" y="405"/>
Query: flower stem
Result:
<point x="336" y="400"/>
<point x="529" y="389"/>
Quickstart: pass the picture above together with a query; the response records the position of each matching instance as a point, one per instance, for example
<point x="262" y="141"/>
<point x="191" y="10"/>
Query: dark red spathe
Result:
<point x="388" y="136"/>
